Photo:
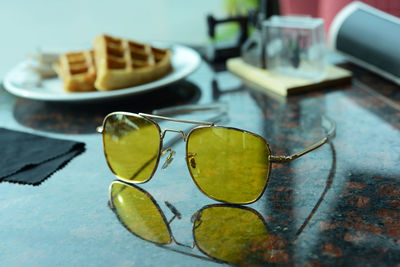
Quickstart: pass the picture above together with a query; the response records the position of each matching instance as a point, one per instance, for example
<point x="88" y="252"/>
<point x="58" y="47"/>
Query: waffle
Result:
<point x="77" y="70"/>
<point x="122" y="63"/>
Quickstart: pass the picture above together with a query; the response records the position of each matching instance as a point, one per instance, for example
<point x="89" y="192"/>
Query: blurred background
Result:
<point x="28" y="25"/>
<point x="43" y="24"/>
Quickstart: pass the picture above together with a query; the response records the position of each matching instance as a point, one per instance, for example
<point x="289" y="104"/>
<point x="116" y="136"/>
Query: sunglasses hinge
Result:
<point x="280" y="159"/>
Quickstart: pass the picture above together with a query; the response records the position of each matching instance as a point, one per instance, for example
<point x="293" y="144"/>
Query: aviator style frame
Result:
<point x="330" y="133"/>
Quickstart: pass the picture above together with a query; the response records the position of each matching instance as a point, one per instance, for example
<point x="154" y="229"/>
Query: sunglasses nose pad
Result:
<point x="196" y="219"/>
<point x="170" y="157"/>
<point x="192" y="161"/>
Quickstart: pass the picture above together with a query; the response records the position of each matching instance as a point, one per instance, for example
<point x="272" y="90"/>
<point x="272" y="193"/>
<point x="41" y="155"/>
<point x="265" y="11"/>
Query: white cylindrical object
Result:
<point x="368" y="37"/>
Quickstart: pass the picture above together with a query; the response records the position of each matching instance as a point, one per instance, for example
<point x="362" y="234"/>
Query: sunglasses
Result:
<point x="223" y="232"/>
<point x="227" y="164"/>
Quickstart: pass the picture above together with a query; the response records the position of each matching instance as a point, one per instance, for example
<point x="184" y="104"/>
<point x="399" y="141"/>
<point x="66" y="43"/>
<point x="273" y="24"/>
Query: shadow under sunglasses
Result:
<point x="225" y="233"/>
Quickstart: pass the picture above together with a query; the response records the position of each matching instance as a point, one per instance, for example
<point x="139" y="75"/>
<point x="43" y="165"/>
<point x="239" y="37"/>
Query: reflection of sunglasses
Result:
<point x="227" y="164"/>
<point x="223" y="232"/>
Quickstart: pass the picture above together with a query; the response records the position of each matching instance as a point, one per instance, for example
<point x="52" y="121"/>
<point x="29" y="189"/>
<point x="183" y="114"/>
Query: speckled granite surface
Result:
<point x="339" y="205"/>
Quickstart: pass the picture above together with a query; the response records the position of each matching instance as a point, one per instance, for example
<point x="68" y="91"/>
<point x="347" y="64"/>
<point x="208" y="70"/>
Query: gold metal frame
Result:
<point x="100" y="129"/>
<point x="234" y="129"/>
<point x="330" y="133"/>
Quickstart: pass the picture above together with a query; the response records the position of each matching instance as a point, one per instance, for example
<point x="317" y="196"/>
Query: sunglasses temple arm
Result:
<point x="330" y="129"/>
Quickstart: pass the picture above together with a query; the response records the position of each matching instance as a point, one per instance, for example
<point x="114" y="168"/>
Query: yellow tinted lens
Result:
<point x="229" y="233"/>
<point x="131" y="146"/>
<point x="227" y="164"/>
<point x="139" y="213"/>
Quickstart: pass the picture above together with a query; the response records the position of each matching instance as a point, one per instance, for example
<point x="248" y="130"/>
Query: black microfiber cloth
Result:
<point x="30" y="159"/>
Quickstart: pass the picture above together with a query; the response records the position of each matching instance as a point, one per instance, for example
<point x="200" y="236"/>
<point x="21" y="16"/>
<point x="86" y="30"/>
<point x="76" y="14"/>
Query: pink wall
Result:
<point x="327" y="9"/>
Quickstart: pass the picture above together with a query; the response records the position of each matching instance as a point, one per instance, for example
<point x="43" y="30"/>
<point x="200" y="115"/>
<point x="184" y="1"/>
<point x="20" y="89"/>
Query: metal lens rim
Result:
<point x="159" y="147"/>
<point x="234" y="129"/>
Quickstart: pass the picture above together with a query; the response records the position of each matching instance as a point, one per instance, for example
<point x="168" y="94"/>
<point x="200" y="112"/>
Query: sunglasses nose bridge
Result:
<point x="175" y="131"/>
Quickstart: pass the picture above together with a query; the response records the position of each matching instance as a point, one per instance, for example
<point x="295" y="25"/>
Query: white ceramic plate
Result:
<point x="184" y="61"/>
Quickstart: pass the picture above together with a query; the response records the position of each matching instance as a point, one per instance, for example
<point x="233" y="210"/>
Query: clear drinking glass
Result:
<point x="295" y="46"/>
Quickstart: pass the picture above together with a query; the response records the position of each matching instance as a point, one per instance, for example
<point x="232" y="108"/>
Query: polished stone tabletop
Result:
<point x="336" y="205"/>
